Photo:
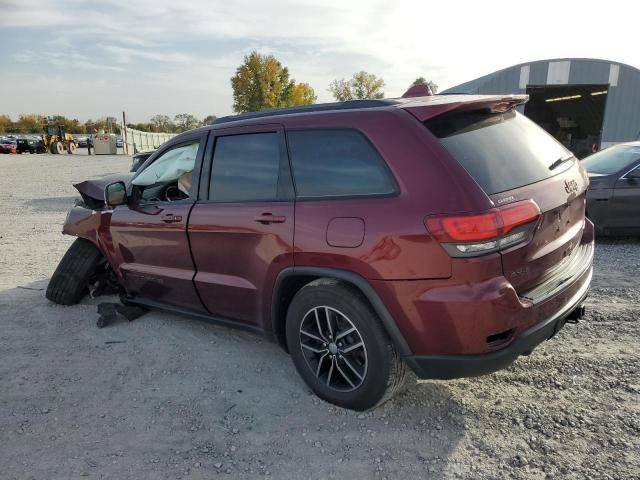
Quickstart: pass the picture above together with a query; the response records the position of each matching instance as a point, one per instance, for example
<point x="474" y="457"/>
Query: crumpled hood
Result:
<point x="92" y="190"/>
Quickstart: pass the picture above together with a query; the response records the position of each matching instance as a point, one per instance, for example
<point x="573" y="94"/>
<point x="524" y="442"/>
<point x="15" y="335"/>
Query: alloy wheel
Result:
<point x="333" y="348"/>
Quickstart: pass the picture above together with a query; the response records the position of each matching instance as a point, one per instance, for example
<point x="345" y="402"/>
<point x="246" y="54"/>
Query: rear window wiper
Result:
<point x="560" y="161"/>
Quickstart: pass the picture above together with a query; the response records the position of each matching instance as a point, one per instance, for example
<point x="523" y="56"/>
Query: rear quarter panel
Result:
<point x="396" y="244"/>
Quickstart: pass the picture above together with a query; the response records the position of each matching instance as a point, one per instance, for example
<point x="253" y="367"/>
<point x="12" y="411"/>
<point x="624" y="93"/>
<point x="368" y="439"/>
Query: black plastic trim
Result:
<point x="359" y="282"/>
<point x="320" y="107"/>
<point x="226" y="322"/>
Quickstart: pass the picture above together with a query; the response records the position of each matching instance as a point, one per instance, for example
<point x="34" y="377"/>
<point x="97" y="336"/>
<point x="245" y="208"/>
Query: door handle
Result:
<point x="171" y="218"/>
<point x="267" y="218"/>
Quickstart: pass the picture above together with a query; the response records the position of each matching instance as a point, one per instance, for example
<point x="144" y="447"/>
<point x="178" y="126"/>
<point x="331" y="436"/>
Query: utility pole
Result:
<point x="124" y="133"/>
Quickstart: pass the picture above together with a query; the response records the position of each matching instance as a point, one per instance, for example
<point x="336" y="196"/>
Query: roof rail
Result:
<point x="320" y="107"/>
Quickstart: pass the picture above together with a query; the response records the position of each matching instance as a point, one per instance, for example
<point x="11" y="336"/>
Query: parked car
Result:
<point x="138" y="159"/>
<point x="119" y="142"/>
<point x="8" y="145"/>
<point x="82" y="142"/>
<point x="29" y="145"/>
<point x="613" y="200"/>
<point x="440" y="234"/>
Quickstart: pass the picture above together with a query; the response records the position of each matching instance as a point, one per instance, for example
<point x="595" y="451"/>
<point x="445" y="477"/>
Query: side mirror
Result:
<point x="115" y="194"/>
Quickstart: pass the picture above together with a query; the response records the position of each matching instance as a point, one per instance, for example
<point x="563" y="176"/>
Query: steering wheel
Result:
<point x="173" y="193"/>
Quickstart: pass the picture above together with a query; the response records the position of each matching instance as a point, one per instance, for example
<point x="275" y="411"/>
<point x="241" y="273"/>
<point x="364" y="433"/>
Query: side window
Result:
<point x="246" y="167"/>
<point x="169" y="177"/>
<point x="334" y="163"/>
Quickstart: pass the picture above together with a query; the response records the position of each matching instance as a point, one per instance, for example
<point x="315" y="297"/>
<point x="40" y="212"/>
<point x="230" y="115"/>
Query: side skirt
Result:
<point x="225" y="322"/>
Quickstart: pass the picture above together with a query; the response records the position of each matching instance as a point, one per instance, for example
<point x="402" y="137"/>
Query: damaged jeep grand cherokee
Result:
<point x="443" y="235"/>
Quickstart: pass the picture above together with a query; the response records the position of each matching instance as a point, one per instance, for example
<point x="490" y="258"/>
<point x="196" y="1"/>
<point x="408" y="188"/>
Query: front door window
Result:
<point x="169" y="177"/>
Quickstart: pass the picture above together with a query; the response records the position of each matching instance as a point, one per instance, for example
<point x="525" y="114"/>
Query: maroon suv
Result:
<point x="445" y="234"/>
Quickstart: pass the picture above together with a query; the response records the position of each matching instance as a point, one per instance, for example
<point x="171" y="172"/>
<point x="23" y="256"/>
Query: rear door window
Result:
<point x="336" y="163"/>
<point x="501" y="151"/>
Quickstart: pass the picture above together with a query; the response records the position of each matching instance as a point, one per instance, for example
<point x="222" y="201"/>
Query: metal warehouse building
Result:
<point x="587" y="104"/>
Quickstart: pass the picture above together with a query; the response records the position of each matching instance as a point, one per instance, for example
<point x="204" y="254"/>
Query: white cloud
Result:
<point x="184" y="53"/>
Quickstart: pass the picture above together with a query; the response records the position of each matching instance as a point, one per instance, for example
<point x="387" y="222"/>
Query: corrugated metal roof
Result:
<point x="622" y="112"/>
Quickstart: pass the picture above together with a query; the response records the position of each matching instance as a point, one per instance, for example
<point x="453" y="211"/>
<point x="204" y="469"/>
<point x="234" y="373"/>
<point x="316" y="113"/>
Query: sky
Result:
<point x="86" y="59"/>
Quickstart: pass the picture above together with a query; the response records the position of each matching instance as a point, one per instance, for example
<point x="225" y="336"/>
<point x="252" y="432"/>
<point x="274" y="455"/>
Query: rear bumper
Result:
<point x="457" y="366"/>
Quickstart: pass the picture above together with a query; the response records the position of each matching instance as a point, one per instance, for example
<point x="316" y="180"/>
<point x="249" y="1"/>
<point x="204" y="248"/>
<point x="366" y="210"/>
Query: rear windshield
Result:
<point x="501" y="151"/>
<point x="612" y="160"/>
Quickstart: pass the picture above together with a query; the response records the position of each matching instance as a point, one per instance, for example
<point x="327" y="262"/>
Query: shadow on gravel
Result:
<point x="169" y="396"/>
<point x="622" y="240"/>
<point x="52" y="204"/>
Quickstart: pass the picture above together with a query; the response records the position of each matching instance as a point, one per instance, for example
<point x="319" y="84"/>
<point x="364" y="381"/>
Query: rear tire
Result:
<point x="70" y="281"/>
<point x="72" y="148"/>
<point x="331" y="363"/>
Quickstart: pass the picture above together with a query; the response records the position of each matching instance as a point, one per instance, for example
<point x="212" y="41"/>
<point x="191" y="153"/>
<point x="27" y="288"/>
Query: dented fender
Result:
<point x="93" y="225"/>
<point x="92" y="190"/>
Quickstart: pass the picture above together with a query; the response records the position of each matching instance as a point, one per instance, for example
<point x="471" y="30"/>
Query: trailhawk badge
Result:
<point x="570" y="186"/>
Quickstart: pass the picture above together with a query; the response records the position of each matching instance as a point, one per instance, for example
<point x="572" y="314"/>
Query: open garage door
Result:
<point x="571" y="113"/>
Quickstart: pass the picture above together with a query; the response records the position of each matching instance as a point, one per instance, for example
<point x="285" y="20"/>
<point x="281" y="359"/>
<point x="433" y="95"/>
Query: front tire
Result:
<point x="70" y="281"/>
<point x="340" y="348"/>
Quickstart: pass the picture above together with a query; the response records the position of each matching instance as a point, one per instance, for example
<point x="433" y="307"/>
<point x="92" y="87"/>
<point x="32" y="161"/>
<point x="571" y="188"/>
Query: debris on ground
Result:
<point x="108" y="313"/>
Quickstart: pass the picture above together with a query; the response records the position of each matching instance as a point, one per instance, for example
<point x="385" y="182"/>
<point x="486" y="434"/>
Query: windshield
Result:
<point x="501" y="151"/>
<point x="612" y="160"/>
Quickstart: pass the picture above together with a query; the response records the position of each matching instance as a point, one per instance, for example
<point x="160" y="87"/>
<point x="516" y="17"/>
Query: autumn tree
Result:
<point x="101" y="124"/>
<point x="30" y="123"/>
<point x="302" y="94"/>
<point x="429" y="83"/>
<point x="263" y="82"/>
<point x="5" y="123"/>
<point x="361" y="86"/>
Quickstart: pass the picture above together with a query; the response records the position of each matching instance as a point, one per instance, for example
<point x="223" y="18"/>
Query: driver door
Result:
<point x="150" y="233"/>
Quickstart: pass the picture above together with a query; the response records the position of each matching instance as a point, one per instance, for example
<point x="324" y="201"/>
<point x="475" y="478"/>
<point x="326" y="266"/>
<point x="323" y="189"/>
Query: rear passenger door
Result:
<point x="342" y="193"/>
<point x="241" y="230"/>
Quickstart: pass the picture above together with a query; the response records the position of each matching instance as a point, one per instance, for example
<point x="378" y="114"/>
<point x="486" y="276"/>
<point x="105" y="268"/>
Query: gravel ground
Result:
<point x="172" y="397"/>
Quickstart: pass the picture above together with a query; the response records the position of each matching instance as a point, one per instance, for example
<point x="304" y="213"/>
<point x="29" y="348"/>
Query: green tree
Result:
<point x="429" y="83"/>
<point x="185" y="121"/>
<point x="263" y="82"/>
<point x="361" y="86"/>
<point x="208" y="120"/>
<point x="162" y="123"/>
<point x="5" y="124"/>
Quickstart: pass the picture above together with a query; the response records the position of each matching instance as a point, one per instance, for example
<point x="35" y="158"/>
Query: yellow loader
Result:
<point x="56" y="140"/>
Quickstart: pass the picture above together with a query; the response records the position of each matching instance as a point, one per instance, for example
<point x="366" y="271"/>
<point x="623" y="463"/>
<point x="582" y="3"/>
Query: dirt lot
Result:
<point x="171" y="397"/>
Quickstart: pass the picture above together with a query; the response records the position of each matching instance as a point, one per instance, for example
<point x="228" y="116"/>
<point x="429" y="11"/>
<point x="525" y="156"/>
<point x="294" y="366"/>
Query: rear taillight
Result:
<point x="498" y="228"/>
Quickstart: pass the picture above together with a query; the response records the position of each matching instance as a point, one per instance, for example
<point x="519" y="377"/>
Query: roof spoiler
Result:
<point x="493" y="103"/>
<point x="418" y="91"/>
